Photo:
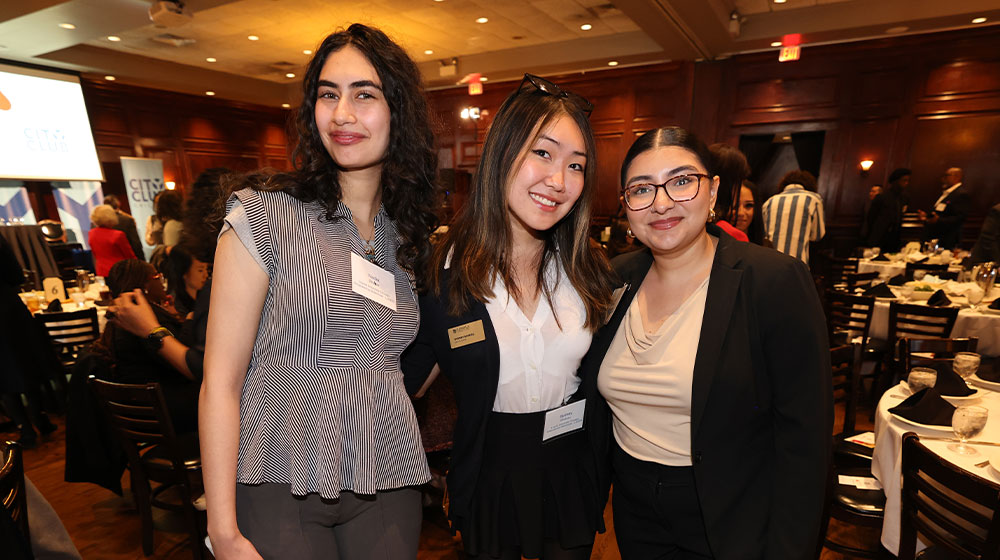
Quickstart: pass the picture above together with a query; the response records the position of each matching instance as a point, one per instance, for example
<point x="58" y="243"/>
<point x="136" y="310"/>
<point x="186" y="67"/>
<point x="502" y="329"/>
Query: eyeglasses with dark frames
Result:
<point x="681" y="188"/>
<point x="545" y="86"/>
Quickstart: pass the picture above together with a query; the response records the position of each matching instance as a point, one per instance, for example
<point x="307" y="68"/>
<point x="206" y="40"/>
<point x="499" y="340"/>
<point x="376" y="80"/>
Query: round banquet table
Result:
<point x="890" y="268"/>
<point x="887" y="457"/>
<point x="983" y="324"/>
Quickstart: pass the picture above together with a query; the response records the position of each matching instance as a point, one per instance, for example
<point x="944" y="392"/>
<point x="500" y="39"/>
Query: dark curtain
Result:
<point x="757" y="148"/>
<point x="808" y="148"/>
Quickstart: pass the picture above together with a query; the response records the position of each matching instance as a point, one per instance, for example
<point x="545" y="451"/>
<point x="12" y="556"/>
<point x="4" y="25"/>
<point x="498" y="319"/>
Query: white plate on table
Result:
<point x="919" y="425"/>
<point x="991" y="385"/>
<point x="990" y="311"/>
<point x="958" y="401"/>
<point x="995" y="463"/>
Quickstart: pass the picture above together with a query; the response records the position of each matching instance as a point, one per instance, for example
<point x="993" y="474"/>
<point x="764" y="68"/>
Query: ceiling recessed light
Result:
<point x="67" y="26"/>
<point x="286" y="106"/>
<point x="897" y="29"/>
<point x="482" y="20"/>
<point x="586" y="27"/>
<point x="307" y="51"/>
<point x="290" y="75"/>
<point x="613" y="63"/>
<point x="210" y="59"/>
<point x="483" y="78"/>
<point x="253" y="37"/>
<point x="210" y="93"/>
<point x="779" y="1"/>
<point x="979" y="20"/>
<point x="109" y="78"/>
<point x="775" y="43"/>
<point x="428" y="51"/>
<point x="114" y="38"/>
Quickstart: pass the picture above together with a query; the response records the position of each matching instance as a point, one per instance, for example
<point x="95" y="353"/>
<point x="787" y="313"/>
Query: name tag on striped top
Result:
<point x="373" y="282"/>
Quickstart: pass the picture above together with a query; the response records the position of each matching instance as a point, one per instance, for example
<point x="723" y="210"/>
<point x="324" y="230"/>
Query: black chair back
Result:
<point x="948" y="506"/>
<point x="929" y="352"/>
<point x="843" y="362"/>
<point x="12" y="493"/>
<point x="848" y="312"/>
<point x="935" y="269"/>
<point x="920" y="321"/>
<point x="70" y="332"/>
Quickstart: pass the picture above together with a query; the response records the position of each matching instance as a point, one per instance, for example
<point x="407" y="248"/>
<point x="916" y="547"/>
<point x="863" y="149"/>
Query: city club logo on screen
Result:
<point x="39" y="139"/>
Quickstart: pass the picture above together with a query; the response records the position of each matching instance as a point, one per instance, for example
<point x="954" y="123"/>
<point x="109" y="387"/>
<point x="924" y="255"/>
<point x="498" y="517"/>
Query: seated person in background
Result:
<point x="138" y="354"/>
<point x="108" y="244"/>
<point x="185" y="276"/>
<point x="987" y="246"/>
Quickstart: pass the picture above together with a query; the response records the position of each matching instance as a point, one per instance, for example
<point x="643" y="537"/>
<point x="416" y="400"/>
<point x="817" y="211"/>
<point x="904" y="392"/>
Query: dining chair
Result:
<point x="70" y="331"/>
<point x="929" y="352"/>
<point x="859" y="279"/>
<point x="837" y="268"/>
<point x="846" y="503"/>
<point x="953" y="510"/>
<point x="849" y="313"/>
<point x="13" y="499"/>
<point x="139" y="418"/>
<point x="908" y="320"/>
<point x="939" y="270"/>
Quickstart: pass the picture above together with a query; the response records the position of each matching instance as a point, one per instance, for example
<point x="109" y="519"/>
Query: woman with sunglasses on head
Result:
<point x="515" y="293"/>
<point x="716" y="372"/>
<point x="310" y="445"/>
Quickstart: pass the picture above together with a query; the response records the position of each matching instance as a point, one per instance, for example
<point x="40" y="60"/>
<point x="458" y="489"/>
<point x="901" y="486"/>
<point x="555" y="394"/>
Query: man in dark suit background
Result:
<point x="945" y="221"/>
<point x="987" y="247"/>
<point x="126" y="225"/>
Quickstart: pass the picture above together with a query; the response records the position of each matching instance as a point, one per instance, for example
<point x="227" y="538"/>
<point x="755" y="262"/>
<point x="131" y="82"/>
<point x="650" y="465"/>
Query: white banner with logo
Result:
<point x="75" y="201"/>
<point x="15" y="208"/>
<point x="143" y="179"/>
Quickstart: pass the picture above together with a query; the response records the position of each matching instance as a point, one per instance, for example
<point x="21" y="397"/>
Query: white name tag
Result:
<point x="373" y="282"/>
<point x="563" y="420"/>
<point x="859" y="482"/>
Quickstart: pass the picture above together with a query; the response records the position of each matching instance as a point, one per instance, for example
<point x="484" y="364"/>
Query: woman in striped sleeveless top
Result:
<point x="309" y="442"/>
<point x="516" y="291"/>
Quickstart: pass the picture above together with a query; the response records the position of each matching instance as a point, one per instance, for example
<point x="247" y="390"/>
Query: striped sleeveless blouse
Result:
<point x="324" y="408"/>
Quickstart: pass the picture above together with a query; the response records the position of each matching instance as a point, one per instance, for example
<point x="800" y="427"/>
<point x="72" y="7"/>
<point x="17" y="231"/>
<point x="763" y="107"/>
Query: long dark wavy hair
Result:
<point x="479" y="240"/>
<point x="204" y="211"/>
<point x="409" y="191"/>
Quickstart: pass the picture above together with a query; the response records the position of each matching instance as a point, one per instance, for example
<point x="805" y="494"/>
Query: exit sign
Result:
<point x="789" y="53"/>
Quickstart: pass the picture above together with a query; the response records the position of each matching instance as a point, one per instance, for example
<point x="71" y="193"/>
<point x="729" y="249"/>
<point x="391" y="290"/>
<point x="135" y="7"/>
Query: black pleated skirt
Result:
<point x="530" y="492"/>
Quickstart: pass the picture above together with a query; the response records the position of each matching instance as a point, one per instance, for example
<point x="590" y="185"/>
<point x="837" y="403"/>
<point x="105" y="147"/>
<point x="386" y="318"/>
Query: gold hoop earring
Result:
<point x="630" y="234"/>
<point x="711" y="214"/>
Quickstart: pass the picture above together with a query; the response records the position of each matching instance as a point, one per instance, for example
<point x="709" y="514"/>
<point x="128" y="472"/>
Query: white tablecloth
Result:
<point x="887" y="460"/>
<point x="983" y="325"/>
<point x="889" y="268"/>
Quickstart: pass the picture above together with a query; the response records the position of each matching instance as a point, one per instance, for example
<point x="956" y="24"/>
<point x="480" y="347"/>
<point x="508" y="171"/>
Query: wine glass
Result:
<point x="921" y="378"/>
<point x="965" y="364"/>
<point x="985" y="276"/>
<point x="876" y="251"/>
<point x="975" y="295"/>
<point x="967" y="422"/>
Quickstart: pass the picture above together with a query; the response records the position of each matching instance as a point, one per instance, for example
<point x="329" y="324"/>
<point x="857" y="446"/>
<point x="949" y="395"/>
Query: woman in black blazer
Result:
<point x="715" y="372"/>
<point x="515" y="292"/>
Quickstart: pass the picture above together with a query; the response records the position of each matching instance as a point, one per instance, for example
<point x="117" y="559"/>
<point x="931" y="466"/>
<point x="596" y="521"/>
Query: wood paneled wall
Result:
<point x="189" y="133"/>
<point x="925" y="102"/>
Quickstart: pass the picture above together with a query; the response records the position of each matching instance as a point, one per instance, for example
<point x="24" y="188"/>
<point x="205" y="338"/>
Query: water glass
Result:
<point x="965" y="364"/>
<point x="967" y="422"/>
<point x="921" y="378"/>
<point x="985" y="276"/>
<point x="975" y="295"/>
<point x="876" y="251"/>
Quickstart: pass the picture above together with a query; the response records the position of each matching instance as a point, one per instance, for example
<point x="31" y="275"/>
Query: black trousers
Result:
<point x="656" y="511"/>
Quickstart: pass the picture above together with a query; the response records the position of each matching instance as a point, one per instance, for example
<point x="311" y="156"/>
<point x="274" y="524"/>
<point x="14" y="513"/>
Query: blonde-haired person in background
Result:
<point x="107" y="244"/>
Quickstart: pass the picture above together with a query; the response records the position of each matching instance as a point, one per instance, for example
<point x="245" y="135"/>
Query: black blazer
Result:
<point x="761" y="400"/>
<point x="948" y="229"/>
<point x="474" y="371"/>
<point x="987" y="246"/>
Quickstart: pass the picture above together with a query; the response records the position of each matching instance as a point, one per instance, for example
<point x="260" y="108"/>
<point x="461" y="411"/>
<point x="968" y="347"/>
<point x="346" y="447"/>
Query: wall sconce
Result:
<point x="170" y="185"/>
<point x="470" y="113"/>
<point x="866" y="164"/>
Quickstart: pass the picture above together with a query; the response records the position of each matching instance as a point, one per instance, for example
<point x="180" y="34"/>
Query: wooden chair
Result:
<point x="907" y="320"/>
<point x="850" y="313"/>
<point x="865" y="508"/>
<point x="838" y="268"/>
<point x="955" y="511"/>
<point x="859" y="279"/>
<point x="69" y="332"/>
<point x="913" y="351"/>
<point x="13" y="499"/>
<point x="939" y="270"/>
<point x="138" y="416"/>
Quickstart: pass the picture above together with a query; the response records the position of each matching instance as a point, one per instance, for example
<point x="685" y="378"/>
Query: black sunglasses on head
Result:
<point x="545" y="86"/>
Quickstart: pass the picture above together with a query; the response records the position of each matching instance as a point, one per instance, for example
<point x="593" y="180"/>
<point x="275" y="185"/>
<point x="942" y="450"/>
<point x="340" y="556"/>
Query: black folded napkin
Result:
<point x="898" y="280"/>
<point x="880" y="290"/>
<point x="881" y="257"/>
<point x="949" y="383"/>
<point x="989" y="371"/>
<point x="54" y="307"/>
<point x="995" y="304"/>
<point x="938" y="299"/>
<point x="925" y="407"/>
